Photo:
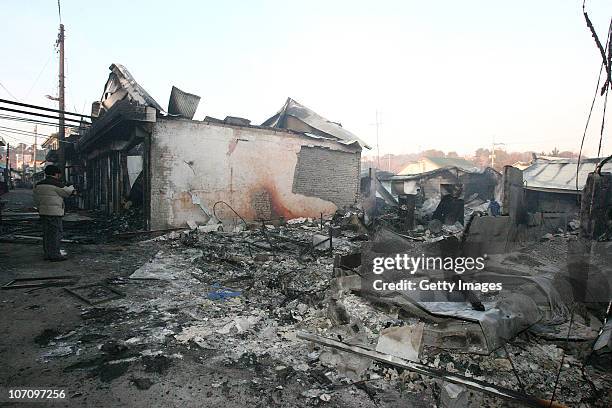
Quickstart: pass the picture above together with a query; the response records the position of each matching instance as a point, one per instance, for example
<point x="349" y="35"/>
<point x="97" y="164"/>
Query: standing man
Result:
<point x="49" y="197"/>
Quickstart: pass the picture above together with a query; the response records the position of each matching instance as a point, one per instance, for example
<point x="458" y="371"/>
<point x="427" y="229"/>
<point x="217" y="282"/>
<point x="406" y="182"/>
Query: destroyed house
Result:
<point x="550" y="185"/>
<point x="433" y="184"/>
<point x="183" y="171"/>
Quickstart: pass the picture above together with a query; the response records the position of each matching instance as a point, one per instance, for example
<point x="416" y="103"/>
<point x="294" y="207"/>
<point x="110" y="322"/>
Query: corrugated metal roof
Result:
<point x="559" y="175"/>
<point x="313" y="120"/>
<point x="182" y="103"/>
<point x="120" y="79"/>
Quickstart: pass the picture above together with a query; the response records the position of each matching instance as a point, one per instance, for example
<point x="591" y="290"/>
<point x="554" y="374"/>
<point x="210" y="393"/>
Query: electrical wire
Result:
<point x="590" y="113"/>
<point x="35" y="121"/>
<point x="2" y="108"/>
<point x="603" y="122"/>
<point x="8" y="92"/>
<point x="25" y="132"/>
<point x="22" y="135"/>
<point x="39" y="75"/>
<point x="44" y="108"/>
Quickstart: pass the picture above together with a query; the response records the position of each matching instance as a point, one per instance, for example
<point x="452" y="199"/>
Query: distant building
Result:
<point x="426" y="164"/>
<point x="521" y="165"/>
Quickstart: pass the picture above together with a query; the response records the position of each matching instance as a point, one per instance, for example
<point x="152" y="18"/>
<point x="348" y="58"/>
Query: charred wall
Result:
<point x="253" y="169"/>
<point x="544" y="201"/>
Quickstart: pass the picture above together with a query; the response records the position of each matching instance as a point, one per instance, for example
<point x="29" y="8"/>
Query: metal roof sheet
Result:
<point x="182" y="103"/>
<point x="314" y="120"/>
<point x="120" y="78"/>
<point x="560" y="175"/>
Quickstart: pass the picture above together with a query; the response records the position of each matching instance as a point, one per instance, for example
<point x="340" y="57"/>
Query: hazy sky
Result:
<point x="450" y="75"/>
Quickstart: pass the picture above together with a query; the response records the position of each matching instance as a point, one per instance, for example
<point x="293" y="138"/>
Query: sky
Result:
<point x="448" y="75"/>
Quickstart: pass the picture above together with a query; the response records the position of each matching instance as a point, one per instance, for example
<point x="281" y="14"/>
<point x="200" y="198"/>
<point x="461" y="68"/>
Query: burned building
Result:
<point x="433" y="184"/>
<point x="551" y="185"/>
<point x="296" y="164"/>
<point x="425" y="191"/>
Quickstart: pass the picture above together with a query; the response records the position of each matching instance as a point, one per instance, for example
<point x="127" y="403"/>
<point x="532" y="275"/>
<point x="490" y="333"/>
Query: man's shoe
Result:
<point x="58" y="259"/>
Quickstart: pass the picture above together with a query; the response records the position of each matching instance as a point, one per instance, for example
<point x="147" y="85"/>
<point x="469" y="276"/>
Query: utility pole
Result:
<point x="62" y="102"/>
<point x="7" y="170"/>
<point x="35" y="145"/>
<point x="22" y="162"/>
<point x="493" y="151"/>
<point x="377" y="144"/>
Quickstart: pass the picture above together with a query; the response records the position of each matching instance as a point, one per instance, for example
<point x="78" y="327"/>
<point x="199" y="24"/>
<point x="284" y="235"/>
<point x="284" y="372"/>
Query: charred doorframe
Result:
<point x="106" y="145"/>
<point x="108" y="180"/>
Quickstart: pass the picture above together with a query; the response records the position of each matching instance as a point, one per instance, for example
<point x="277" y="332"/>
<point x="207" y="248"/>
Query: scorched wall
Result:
<point x="262" y="173"/>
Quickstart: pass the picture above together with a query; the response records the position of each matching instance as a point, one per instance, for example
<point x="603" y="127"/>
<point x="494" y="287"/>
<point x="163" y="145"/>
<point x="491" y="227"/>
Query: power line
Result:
<point x="590" y="111"/>
<point x="36" y="114"/>
<point x="607" y="85"/>
<point x="26" y="132"/>
<point x="38" y="77"/>
<point x="15" y="138"/>
<point x="21" y="134"/>
<point x="34" y="121"/>
<point x="38" y="107"/>
<point x="8" y="92"/>
<point x="603" y="122"/>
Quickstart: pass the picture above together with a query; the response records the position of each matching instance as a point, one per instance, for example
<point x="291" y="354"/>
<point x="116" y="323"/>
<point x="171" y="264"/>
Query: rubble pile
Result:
<point x="240" y="300"/>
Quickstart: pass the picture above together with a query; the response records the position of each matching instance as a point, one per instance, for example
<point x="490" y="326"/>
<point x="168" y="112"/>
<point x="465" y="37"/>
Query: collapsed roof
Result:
<point x="560" y="175"/>
<point x="299" y="118"/>
<point x="122" y="85"/>
<point x="436" y="172"/>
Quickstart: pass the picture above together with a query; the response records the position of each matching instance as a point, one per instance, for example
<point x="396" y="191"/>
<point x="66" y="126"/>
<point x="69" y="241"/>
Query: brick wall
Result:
<point x="327" y="174"/>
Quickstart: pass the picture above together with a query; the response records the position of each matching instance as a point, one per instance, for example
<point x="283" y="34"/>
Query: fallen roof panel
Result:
<point x="120" y="78"/>
<point x="182" y="103"/>
<point x="313" y="120"/>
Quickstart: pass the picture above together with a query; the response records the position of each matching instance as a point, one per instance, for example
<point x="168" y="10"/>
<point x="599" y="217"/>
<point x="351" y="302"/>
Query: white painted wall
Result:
<point x="202" y="162"/>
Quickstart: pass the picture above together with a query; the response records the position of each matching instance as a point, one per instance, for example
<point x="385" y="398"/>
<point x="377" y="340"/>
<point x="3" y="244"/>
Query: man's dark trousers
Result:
<point x="52" y="235"/>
